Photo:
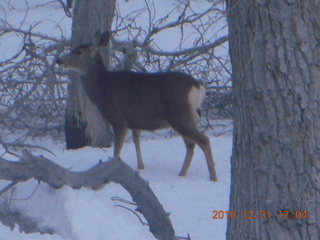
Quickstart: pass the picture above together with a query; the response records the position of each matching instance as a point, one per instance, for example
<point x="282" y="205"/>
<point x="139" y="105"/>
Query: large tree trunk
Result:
<point x="84" y="123"/>
<point x="275" y="54"/>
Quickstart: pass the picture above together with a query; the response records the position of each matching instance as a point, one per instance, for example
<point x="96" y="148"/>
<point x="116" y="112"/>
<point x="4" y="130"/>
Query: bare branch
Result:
<point x="123" y="201"/>
<point x="66" y="7"/>
<point x="33" y="94"/>
<point x="130" y="210"/>
<point x="6" y="30"/>
<point x="114" y="170"/>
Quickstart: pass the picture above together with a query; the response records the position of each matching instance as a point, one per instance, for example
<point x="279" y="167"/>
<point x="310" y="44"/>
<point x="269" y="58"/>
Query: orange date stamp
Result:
<point x="258" y="215"/>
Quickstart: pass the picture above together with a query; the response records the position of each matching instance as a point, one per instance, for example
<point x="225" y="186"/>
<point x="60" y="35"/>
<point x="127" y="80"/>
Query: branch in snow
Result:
<point x="115" y="170"/>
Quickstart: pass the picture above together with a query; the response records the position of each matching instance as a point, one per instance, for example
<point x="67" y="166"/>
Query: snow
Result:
<point x="85" y="214"/>
<point x="42" y="17"/>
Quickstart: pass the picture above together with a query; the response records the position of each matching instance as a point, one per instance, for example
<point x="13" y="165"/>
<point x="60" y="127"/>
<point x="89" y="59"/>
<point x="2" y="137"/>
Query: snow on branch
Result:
<point x="114" y="170"/>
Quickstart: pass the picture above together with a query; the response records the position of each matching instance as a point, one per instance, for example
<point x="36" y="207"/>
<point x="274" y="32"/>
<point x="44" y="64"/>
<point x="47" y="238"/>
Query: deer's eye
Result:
<point x="78" y="52"/>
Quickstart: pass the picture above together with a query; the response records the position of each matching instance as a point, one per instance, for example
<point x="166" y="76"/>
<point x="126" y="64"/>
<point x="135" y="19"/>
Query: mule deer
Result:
<point x="141" y="101"/>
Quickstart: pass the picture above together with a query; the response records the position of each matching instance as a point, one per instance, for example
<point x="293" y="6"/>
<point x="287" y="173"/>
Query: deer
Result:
<point x="141" y="101"/>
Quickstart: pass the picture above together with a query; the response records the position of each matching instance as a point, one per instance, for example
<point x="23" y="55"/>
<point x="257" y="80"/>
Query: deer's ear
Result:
<point x="101" y="39"/>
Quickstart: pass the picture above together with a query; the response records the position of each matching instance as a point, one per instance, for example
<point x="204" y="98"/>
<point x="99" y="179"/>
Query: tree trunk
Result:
<point x="84" y="123"/>
<point x="275" y="54"/>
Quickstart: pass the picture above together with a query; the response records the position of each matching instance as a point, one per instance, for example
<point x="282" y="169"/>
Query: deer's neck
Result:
<point x="91" y="80"/>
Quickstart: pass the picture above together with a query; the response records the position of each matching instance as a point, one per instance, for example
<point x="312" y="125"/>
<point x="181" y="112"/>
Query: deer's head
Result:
<point x="81" y="58"/>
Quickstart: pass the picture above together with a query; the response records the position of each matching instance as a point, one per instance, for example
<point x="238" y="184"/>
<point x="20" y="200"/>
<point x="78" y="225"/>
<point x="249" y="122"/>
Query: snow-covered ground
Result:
<point x="91" y="215"/>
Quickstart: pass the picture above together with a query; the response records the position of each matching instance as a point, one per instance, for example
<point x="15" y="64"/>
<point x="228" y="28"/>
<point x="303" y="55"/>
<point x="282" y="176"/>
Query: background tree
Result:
<point x="84" y="124"/>
<point x="274" y="48"/>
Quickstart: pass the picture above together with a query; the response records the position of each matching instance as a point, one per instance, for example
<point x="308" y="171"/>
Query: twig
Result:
<point x="123" y="201"/>
<point x="12" y="184"/>
<point x="186" y="238"/>
<point x="31" y="195"/>
<point x="130" y="210"/>
<point x="21" y="145"/>
<point x="66" y="8"/>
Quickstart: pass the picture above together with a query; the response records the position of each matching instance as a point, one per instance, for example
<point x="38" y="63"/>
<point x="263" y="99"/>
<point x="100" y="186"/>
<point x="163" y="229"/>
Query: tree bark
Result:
<point x="84" y="124"/>
<point x="275" y="53"/>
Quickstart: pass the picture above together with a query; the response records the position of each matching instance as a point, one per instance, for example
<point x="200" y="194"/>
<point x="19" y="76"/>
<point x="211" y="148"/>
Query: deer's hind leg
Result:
<point x="187" y="160"/>
<point x="186" y="125"/>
